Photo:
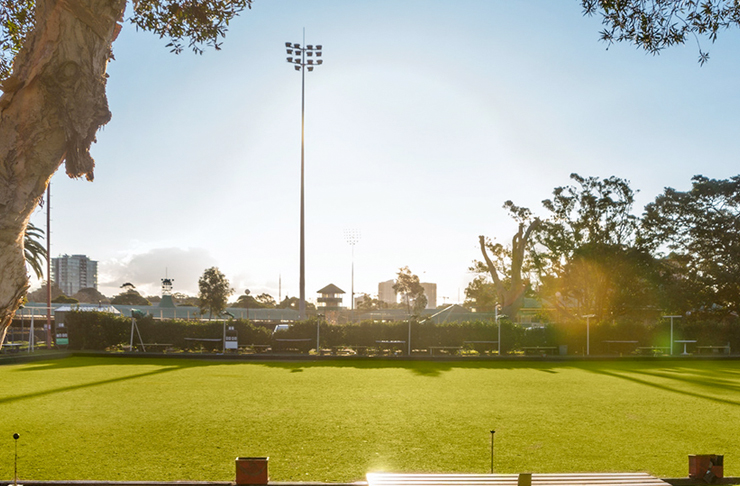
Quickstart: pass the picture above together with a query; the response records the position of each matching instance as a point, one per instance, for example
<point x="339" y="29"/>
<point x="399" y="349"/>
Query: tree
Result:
<point x="34" y="251"/>
<point x="262" y="301"/>
<point x="585" y="251"/>
<point x="39" y="295"/>
<point x="54" y="101"/>
<point x="63" y="299"/>
<point x="408" y="285"/>
<point x="292" y="303"/>
<point x="367" y="302"/>
<point x="129" y="296"/>
<point x="701" y="228"/>
<point x="90" y="295"/>
<point x="214" y="290"/>
<point x="653" y="26"/>
<point x="505" y="265"/>
<point x="481" y="295"/>
<point x="184" y="300"/>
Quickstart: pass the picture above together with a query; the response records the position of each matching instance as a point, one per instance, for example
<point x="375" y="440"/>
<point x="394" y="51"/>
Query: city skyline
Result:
<point x="421" y="122"/>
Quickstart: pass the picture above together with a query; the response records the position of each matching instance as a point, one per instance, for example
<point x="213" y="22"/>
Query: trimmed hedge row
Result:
<point x="98" y="331"/>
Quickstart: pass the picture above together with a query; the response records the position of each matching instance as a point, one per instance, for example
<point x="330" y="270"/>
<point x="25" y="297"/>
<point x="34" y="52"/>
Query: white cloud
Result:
<point x="145" y="270"/>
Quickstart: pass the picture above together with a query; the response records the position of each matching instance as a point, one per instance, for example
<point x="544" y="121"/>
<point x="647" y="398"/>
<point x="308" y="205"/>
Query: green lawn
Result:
<point x="169" y="419"/>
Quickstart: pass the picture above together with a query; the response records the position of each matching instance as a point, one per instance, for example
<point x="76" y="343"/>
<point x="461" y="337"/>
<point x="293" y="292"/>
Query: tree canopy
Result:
<point x="213" y="291"/>
<point x="653" y="26"/>
<point x="412" y="292"/>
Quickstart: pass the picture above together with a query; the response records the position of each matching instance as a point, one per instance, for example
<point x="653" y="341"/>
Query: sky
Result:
<point x="425" y="117"/>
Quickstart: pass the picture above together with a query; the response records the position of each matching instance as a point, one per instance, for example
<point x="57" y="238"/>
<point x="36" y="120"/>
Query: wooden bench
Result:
<point x="204" y="340"/>
<point x="452" y="349"/>
<point x="579" y="479"/>
<point x="621" y="344"/>
<point x="255" y="348"/>
<point x="477" y="345"/>
<point x="653" y="350"/>
<point x="541" y="350"/>
<point x="713" y="349"/>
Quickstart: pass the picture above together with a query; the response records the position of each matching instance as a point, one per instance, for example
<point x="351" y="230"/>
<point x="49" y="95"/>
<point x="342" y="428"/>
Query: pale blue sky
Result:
<point x="424" y="118"/>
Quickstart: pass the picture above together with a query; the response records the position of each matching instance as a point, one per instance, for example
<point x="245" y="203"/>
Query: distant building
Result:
<point x="386" y="293"/>
<point x="430" y="290"/>
<point x="167" y="302"/>
<point x="330" y="298"/>
<point x="72" y="273"/>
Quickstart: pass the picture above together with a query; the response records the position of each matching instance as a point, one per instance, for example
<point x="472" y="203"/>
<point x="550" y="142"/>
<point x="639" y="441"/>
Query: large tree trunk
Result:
<point x="52" y="106"/>
<point x="510" y="298"/>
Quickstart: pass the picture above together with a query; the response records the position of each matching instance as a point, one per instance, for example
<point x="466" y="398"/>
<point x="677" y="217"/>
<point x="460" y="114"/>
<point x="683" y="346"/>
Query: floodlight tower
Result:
<point x="352" y="236"/>
<point x="301" y="64"/>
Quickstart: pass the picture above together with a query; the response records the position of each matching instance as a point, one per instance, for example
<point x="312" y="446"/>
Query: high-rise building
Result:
<point x="386" y="293"/>
<point x="430" y="291"/>
<point x="72" y="273"/>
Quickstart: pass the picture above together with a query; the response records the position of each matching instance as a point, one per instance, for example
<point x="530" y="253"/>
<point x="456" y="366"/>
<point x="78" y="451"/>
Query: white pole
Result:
<point x="31" y="337"/>
<point x="498" y="324"/>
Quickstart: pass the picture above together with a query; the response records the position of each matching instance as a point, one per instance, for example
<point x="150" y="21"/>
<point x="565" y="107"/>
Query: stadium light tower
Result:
<point x="352" y="236"/>
<point x="297" y="57"/>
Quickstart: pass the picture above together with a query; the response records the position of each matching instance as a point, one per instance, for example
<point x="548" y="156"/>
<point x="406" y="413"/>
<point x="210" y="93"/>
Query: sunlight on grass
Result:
<point x="169" y="419"/>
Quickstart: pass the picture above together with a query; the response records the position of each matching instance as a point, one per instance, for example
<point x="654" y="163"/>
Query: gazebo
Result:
<point x="330" y="298"/>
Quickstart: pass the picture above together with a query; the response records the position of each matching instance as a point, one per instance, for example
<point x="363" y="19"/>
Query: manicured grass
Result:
<point x="169" y="419"/>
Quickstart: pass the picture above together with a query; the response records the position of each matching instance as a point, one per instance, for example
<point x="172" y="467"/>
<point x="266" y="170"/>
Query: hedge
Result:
<point x="98" y="331"/>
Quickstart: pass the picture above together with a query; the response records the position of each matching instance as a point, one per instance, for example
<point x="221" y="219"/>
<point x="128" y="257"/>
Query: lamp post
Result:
<point x="301" y="64"/>
<point x="498" y="316"/>
<point x="352" y="236"/>
<point x="671" y="318"/>
<point x="588" y="333"/>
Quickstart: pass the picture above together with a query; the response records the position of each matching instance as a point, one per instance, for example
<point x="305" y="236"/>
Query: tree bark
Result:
<point x="53" y="104"/>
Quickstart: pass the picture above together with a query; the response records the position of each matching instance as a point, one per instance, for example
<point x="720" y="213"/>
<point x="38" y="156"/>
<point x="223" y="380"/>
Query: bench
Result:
<point x="165" y="347"/>
<point x="481" y="345"/>
<point x="255" y="348"/>
<point x="285" y="344"/>
<point x="714" y="349"/>
<point x="653" y="350"/>
<point x="452" y="349"/>
<point x="204" y="340"/>
<point x="390" y="345"/>
<point x="620" y="344"/>
<point x="541" y="350"/>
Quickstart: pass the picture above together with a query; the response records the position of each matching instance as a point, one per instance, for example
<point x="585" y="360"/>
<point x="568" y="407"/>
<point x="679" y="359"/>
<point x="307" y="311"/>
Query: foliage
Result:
<point x="34" y="251"/>
<point x="653" y="26"/>
<point x="262" y="301"/>
<point x="481" y="295"/>
<point x="292" y="303"/>
<point x="63" y="299"/>
<point x="585" y="252"/>
<point x="90" y="295"/>
<point x="39" y="295"/>
<point x="129" y="296"/>
<point x="701" y="228"/>
<point x="412" y="292"/>
<point x="213" y="291"/>
<point x="367" y="302"/>
<point x="198" y="23"/>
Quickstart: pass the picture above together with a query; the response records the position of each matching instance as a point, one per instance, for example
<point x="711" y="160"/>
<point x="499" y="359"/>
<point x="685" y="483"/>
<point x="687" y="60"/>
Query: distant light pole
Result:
<point x="671" y="318"/>
<point x="498" y="316"/>
<point x="588" y="334"/>
<point x="301" y="64"/>
<point x="352" y="236"/>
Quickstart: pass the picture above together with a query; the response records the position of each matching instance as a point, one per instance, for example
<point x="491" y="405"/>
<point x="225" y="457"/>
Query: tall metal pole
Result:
<point x="301" y="64"/>
<point x="588" y="333"/>
<point x="498" y="325"/>
<point x="302" y="283"/>
<point x="671" y="318"/>
<point x="48" y="266"/>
